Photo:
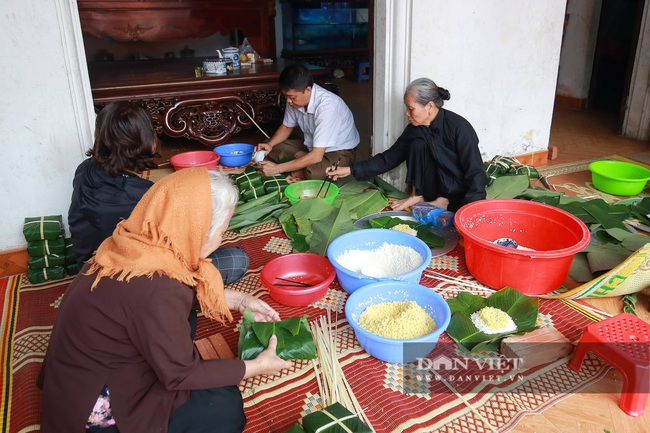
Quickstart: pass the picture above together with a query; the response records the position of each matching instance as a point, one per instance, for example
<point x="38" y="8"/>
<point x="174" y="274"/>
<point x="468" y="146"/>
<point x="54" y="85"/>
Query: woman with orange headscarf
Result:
<point x="120" y="358"/>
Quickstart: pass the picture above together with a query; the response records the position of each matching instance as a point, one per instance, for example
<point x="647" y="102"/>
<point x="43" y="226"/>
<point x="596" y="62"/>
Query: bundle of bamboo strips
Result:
<point x="332" y="384"/>
<point x="474" y="287"/>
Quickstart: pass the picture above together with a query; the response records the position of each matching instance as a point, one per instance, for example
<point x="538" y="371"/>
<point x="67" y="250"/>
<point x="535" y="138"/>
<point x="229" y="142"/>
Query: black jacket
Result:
<point x="99" y="202"/>
<point x="443" y="160"/>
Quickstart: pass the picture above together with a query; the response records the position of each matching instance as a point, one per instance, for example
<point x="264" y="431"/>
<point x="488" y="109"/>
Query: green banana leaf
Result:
<point x="295" y="340"/>
<point x="273" y="197"/>
<point x="521" y="308"/>
<point x="641" y="210"/>
<point x="388" y="189"/>
<point x="256" y="216"/>
<point x="338" y="222"/>
<point x="423" y="232"/>
<point x="297" y="221"/>
<point x="508" y="186"/>
<point x="352" y="187"/>
<point x="365" y="203"/>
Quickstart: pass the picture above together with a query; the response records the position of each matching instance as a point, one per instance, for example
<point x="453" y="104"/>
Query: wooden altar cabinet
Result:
<point x="207" y="109"/>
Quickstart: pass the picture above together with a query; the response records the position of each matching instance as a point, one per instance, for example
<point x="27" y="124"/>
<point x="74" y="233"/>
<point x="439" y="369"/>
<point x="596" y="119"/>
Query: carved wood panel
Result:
<point x="165" y="20"/>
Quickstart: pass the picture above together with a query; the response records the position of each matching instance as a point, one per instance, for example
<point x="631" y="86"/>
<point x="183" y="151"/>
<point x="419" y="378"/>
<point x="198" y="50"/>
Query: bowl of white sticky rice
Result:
<point x="395" y="321"/>
<point x="367" y="256"/>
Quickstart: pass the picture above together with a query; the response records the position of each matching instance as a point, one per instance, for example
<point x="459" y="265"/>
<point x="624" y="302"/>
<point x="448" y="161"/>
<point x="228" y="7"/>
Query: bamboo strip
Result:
<point x="332" y="383"/>
<point x="591" y="312"/>
<point x="448" y="279"/>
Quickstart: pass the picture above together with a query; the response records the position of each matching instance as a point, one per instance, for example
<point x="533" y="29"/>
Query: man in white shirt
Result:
<point x="327" y="123"/>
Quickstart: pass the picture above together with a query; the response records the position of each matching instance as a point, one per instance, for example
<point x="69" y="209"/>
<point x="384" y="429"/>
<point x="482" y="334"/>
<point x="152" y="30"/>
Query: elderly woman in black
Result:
<point x="444" y="164"/>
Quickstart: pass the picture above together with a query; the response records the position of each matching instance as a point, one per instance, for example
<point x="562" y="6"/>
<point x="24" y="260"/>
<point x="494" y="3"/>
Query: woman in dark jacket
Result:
<point x="440" y="148"/>
<point x="107" y="186"/>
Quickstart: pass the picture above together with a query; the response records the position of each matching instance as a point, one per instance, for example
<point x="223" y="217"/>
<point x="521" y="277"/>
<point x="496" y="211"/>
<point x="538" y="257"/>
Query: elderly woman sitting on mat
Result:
<point x="121" y="355"/>
<point x="440" y="148"/>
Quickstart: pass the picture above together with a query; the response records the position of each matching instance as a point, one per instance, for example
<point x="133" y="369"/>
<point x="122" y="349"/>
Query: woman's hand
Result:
<point x="266" y="362"/>
<point x="262" y="312"/>
<point x="441" y="202"/>
<point x="335" y="173"/>
<point x="406" y="202"/>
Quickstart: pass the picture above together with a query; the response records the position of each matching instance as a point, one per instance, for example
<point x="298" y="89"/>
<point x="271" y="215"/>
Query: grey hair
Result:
<point x="425" y="90"/>
<point x="224" y="195"/>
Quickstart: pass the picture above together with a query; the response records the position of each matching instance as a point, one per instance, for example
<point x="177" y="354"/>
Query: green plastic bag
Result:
<point x="295" y="340"/>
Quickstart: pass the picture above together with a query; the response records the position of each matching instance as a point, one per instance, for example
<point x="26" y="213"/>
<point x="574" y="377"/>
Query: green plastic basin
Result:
<point x="619" y="177"/>
<point x="306" y="189"/>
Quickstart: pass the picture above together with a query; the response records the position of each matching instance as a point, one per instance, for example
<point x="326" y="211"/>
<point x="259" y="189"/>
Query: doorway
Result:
<point x="618" y="32"/>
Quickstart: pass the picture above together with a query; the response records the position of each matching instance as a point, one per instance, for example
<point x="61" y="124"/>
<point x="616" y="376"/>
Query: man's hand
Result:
<point x="263" y="146"/>
<point x="268" y="168"/>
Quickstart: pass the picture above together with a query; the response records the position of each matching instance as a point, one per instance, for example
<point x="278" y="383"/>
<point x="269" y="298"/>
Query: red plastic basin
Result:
<point x="552" y="235"/>
<point x="195" y="158"/>
<point x="308" y="268"/>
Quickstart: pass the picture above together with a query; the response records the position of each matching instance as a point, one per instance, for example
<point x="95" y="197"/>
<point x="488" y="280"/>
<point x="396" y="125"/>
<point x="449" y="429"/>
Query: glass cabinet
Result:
<point x="328" y="31"/>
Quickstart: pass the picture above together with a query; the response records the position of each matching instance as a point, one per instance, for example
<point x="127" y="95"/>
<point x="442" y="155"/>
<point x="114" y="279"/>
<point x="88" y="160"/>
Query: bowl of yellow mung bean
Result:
<point x="396" y="321"/>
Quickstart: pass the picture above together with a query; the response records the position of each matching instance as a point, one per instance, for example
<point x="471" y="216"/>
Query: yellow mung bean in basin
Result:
<point x="397" y="320"/>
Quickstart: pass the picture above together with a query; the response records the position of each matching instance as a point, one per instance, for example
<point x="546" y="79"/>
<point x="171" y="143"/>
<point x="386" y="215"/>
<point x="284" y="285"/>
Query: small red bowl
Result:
<point x="195" y="158"/>
<point x="307" y="268"/>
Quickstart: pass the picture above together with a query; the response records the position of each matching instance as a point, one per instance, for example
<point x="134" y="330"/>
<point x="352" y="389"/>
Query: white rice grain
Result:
<point x="388" y="260"/>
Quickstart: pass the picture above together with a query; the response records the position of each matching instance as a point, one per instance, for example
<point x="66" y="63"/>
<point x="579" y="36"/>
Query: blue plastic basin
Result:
<point x="389" y="349"/>
<point x="371" y="239"/>
<point x="235" y="154"/>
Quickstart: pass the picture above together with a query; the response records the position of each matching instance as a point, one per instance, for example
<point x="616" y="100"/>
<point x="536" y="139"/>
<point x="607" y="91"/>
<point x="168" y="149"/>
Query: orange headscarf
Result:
<point x="164" y="235"/>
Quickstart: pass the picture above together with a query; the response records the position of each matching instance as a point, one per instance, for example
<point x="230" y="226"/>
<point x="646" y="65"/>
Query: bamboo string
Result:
<point x="591" y="312"/>
<point x="332" y="383"/>
<point x="454" y="280"/>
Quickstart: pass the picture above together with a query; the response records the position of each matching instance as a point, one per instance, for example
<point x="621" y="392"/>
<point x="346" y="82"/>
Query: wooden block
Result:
<point x="538" y="347"/>
<point x="205" y="349"/>
<point x="220" y="345"/>
<point x="214" y="347"/>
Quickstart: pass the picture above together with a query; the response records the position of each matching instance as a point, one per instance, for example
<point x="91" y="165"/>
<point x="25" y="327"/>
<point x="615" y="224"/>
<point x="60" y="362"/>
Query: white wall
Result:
<point x="577" y="57"/>
<point x="498" y="58"/>
<point x="43" y="132"/>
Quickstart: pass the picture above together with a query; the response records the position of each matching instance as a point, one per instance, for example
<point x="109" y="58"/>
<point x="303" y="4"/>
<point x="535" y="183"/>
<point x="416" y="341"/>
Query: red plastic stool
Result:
<point x="623" y="341"/>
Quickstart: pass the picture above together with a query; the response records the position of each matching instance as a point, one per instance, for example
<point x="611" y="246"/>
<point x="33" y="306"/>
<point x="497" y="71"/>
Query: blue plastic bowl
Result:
<point x="235" y="154"/>
<point x="389" y="349"/>
<point x="371" y="239"/>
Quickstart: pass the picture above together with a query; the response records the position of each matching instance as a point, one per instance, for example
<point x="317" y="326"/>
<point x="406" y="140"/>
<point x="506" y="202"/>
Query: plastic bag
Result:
<point x="426" y="213"/>
<point x="247" y="50"/>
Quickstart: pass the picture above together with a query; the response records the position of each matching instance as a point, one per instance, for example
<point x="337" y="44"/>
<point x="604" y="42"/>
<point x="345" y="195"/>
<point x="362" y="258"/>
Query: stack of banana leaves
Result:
<point x="312" y="224"/>
<point x="614" y="237"/>
<point x="261" y="199"/>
